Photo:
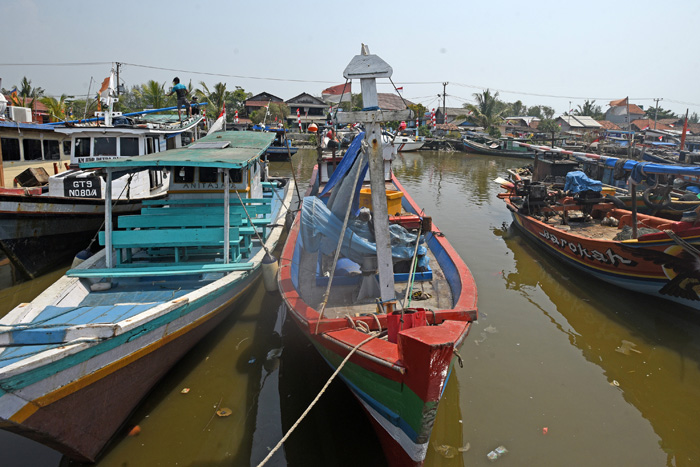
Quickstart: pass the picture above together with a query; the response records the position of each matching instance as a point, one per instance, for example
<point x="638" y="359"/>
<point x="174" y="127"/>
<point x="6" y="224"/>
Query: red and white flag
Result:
<point x="220" y="122"/>
<point x="432" y="116"/>
<point x="299" y="118"/>
<point x="335" y="94"/>
<point x="235" y="117"/>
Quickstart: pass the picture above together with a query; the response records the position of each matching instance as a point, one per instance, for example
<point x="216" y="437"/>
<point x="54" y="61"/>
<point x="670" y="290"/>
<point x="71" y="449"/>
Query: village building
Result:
<point x="259" y="100"/>
<point x="578" y="124"/>
<point x="617" y="113"/>
<point x="311" y="110"/>
<point x="454" y="115"/>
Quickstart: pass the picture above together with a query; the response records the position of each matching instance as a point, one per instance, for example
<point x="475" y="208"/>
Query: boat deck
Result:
<point x="345" y="289"/>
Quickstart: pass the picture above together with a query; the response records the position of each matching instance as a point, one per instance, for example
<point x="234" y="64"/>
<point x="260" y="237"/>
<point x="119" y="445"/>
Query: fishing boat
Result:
<point x="387" y="306"/>
<point x="505" y="148"/>
<point x="404" y="143"/>
<point x="638" y="252"/>
<point x="77" y="360"/>
<point x="281" y="147"/>
<point x="42" y="228"/>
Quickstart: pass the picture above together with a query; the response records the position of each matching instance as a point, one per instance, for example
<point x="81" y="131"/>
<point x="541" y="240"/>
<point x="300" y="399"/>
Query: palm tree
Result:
<point x="215" y="98"/>
<point x="153" y="93"/>
<point x="486" y="112"/>
<point x="590" y="110"/>
<point x="56" y="108"/>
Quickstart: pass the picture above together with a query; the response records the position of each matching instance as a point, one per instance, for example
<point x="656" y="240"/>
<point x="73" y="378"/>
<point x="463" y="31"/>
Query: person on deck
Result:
<point x="194" y="107"/>
<point x="181" y="91"/>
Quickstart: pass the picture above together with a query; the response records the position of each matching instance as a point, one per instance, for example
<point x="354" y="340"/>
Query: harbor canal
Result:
<point x="560" y="369"/>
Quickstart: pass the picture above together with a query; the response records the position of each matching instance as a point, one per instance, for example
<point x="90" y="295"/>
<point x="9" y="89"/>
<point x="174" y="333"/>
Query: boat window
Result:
<point x="236" y="175"/>
<point x="184" y="174"/>
<point x="186" y="139"/>
<point x="82" y="147"/>
<point x="156" y="177"/>
<point x="208" y="175"/>
<point x="32" y="149"/>
<point x="128" y="146"/>
<point x="170" y="143"/>
<point x="149" y="146"/>
<point x="10" y="149"/>
<point x="51" y="151"/>
<point x="66" y="148"/>
<point x="106" y="146"/>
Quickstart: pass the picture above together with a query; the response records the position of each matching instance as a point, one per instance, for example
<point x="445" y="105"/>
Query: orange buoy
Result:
<point x="312" y="128"/>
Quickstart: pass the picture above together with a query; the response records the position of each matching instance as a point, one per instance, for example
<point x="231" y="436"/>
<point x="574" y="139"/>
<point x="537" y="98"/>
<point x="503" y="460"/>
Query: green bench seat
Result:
<point x="176" y="238"/>
<point x="204" y="201"/>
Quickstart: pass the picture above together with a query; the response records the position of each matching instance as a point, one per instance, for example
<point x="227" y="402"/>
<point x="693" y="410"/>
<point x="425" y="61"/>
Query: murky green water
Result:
<point x="559" y="369"/>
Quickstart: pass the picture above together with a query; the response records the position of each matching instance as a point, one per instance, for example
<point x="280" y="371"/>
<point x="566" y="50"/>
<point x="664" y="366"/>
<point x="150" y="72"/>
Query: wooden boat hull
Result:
<point x="280" y="153"/>
<point x="398" y="385"/>
<point x="471" y="146"/>
<point x="77" y="405"/>
<point x="40" y="233"/>
<point x="73" y="393"/>
<point x="653" y="265"/>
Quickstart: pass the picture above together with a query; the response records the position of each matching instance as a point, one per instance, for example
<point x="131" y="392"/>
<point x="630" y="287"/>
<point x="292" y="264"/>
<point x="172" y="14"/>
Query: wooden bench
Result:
<point x="173" y="238"/>
<point x="204" y="201"/>
<point x="159" y="270"/>
<point x="253" y="210"/>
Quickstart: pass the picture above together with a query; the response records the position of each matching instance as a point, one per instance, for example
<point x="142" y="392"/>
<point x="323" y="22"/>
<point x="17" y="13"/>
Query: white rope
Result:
<point x="318" y="396"/>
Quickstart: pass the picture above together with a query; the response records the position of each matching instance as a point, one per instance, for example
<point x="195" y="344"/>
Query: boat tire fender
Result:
<point x="617" y="202"/>
<point x="657" y="193"/>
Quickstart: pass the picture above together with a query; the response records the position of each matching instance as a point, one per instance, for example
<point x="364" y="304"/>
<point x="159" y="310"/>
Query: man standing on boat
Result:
<point x="181" y="91"/>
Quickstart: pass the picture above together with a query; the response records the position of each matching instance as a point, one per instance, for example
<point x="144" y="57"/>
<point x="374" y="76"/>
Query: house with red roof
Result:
<point x="618" y="113"/>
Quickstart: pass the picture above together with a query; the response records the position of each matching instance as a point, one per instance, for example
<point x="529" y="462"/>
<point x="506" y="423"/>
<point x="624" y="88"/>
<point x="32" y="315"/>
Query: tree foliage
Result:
<point x="55" y="107"/>
<point x="488" y="110"/>
<point x="588" y="109"/>
<point x="548" y="125"/>
<point x="541" y="111"/>
<point x="276" y="112"/>
<point x="652" y="113"/>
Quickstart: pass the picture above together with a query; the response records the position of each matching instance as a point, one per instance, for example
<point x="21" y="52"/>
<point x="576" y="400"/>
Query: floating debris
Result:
<point x="491" y="329"/>
<point x="545" y="430"/>
<point x="446" y="451"/>
<point x="135" y="430"/>
<point x="627" y="347"/>
<point x="496" y="453"/>
<point x="464" y="448"/>
<point x="185" y="390"/>
<point x="615" y="383"/>
<point x="225" y="412"/>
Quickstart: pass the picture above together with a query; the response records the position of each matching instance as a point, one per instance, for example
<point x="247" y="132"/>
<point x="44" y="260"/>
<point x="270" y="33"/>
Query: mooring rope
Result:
<point x="318" y="396"/>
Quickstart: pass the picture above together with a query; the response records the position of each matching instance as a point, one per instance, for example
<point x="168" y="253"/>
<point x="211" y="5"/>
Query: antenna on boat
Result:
<point x="367" y="68"/>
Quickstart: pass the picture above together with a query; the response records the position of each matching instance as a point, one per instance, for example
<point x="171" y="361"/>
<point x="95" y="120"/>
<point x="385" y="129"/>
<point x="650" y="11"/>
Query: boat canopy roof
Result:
<point x="228" y="149"/>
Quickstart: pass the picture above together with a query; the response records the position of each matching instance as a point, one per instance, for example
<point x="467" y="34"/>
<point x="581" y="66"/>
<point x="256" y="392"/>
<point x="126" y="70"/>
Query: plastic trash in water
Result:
<point x="496" y="453"/>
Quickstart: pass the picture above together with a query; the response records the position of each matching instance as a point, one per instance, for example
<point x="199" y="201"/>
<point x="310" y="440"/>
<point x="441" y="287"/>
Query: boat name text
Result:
<point x="607" y="257"/>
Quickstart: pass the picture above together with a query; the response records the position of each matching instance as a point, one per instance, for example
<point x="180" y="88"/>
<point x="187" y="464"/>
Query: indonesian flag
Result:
<point x="335" y="94"/>
<point x="219" y="123"/>
<point x="618" y="102"/>
<point x="107" y="91"/>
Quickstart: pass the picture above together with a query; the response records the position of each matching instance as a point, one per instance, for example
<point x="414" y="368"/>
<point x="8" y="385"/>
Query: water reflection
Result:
<point x="647" y="348"/>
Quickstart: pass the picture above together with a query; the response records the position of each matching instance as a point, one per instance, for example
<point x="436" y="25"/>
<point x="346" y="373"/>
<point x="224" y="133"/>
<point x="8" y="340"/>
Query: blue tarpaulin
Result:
<point x="578" y="181"/>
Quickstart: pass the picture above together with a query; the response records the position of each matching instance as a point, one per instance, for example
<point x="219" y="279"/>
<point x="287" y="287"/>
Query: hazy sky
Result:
<point x="556" y="53"/>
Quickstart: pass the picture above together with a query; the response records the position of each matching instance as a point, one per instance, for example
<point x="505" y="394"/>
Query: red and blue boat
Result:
<point x="394" y="342"/>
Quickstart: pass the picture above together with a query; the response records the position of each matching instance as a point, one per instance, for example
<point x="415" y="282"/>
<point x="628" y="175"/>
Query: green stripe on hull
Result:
<point x="396" y="397"/>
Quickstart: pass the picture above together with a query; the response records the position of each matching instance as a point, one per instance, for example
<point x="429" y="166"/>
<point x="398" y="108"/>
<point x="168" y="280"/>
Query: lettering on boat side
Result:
<point x="606" y="257"/>
<point x="203" y="186"/>
<point x="83" y="187"/>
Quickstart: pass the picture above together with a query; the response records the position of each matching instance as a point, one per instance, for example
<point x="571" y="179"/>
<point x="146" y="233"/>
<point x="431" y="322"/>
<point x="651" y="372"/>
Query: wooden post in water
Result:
<point x="367" y="68"/>
<point x="108" y="220"/>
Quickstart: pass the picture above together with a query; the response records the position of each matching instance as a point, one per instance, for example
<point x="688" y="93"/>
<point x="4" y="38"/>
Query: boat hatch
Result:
<point x="210" y="145"/>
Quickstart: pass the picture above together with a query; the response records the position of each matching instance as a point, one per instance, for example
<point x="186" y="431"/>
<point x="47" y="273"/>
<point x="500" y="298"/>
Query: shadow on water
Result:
<point x="647" y="347"/>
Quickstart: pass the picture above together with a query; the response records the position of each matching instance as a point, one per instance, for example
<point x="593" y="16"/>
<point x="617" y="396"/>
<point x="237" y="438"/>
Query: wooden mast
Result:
<point x="367" y="68"/>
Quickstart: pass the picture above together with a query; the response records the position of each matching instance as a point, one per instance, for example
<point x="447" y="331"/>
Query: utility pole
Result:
<point x="118" y="66"/>
<point x="656" y="112"/>
<point x="444" y="109"/>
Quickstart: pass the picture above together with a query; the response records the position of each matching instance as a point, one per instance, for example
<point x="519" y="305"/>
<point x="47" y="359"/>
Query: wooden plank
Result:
<point x="374" y="116"/>
<point x="170" y="270"/>
<point x="169" y="237"/>
<point x="213" y="201"/>
<point x="254" y="210"/>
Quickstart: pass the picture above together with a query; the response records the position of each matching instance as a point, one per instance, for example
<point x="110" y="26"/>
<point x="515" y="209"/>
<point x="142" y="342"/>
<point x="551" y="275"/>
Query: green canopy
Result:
<point x="226" y="149"/>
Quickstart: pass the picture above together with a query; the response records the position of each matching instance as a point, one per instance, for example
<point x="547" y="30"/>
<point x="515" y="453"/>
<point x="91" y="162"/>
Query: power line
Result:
<point x="57" y="64"/>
